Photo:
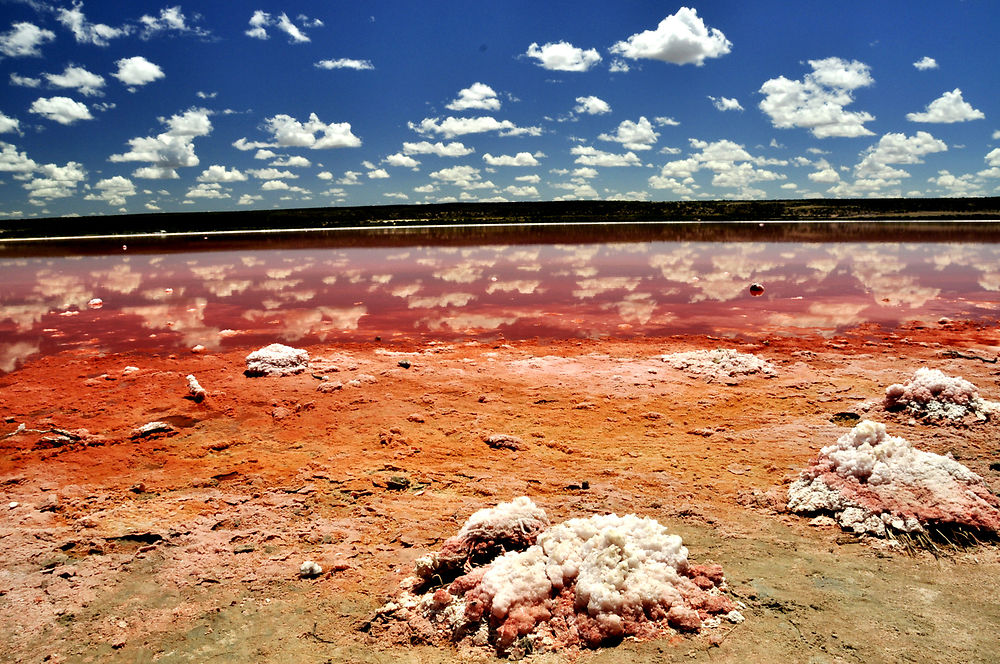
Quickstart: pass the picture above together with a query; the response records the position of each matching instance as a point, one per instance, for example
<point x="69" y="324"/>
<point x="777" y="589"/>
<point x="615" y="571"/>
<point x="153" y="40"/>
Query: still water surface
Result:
<point x="170" y="301"/>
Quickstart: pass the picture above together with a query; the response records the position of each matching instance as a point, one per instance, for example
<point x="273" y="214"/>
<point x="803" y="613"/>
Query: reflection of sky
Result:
<point x="174" y="301"/>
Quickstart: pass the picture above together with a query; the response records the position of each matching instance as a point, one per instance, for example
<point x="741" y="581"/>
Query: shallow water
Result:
<point x="162" y="300"/>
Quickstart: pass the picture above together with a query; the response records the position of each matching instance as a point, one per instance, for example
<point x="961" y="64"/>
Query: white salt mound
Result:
<point x="195" y="389"/>
<point x="870" y="481"/>
<point x="277" y="360"/>
<point x="932" y="394"/>
<point x="719" y="363"/>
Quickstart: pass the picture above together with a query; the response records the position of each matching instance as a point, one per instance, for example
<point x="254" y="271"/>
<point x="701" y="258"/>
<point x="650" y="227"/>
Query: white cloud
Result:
<point x="346" y="63"/>
<point x="217" y="173"/>
<point x="271" y="174"/>
<point x="525" y="191"/>
<point x="398" y="195"/>
<point x="63" y="110"/>
<point x="55" y="182"/>
<point x="731" y="165"/>
<point x="897" y="149"/>
<point x="948" y="108"/>
<point x="591" y="156"/>
<point x="824" y="173"/>
<point x="926" y="63"/>
<point x="249" y="199"/>
<point x="114" y="190"/>
<point x="451" y="127"/>
<point x="956" y="185"/>
<point x="350" y="177"/>
<point x="465" y="177"/>
<point x="137" y="70"/>
<point x="563" y="56"/>
<point x="453" y="149"/>
<point x="633" y="135"/>
<point x="24" y="39"/>
<point x="476" y="96"/>
<point x="12" y="161"/>
<point x="662" y="121"/>
<point x="401" y="160"/>
<point x="83" y="30"/>
<point x="681" y="39"/>
<point x="9" y="124"/>
<point x="209" y="190"/>
<point x="286" y="131"/>
<point x="264" y="154"/>
<point x="531" y="179"/>
<point x="726" y="103"/>
<point x="24" y="81"/>
<point x="378" y="174"/>
<point x="85" y="82"/>
<point x="294" y="161"/>
<point x="274" y="185"/>
<point x="817" y="102"/>
<point x="171" y="149"/>
<point x="520" y="159"/>
<point x="171" y="19"/>
<point x="261" y="21"/>
<point x="591" y="106"/>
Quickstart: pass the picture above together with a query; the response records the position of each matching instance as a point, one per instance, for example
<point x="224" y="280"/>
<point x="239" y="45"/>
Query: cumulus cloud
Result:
<point x="453" y="149"/>
<point x="591" y="106"/>
<point x="731" y="165"/>
<point x="681" y="39"/>
<point x="520" y="159"/>
<point x="294" y="161"/>
<point x="476" y="96"/>
<point x="171" y="149"/>
<point x="54" y="181"/>
<point x="83" y="30"/>
<point x="591" y="156"/>
<point x="726" y="103"/>
<point x="286" y="131"/>
<point x="24" y="81"/>
<point x="170" y="20"/>
<point x="897" y="149"/>
<point x="563" y="56"/>
<point x="23" y="39"/>
<point x="9" y="124"/>
<point x="261" y="21"/>
<point x="465" y="177"/>
<point x="451" y="127"/>
<point x="218" y="173"/>
<point x="63" y="110"/>
<point x="402" y="160"/>
<point x="948" y="108"/>
<point x="114" y="191"/>
<point x="926" y="63"/>
<point x="137" y="71"/>
<point x="524" y="191"/>
<point x="207" y="190"/>
<point x="271" y="174"/>
<point x="346" y="63"/>
<point x="817" y="101"/>
<point x="85" y="82"/>
<point x="633" y="135"/>
<point x="12" y="161"/>
<point x="378" y="174"/>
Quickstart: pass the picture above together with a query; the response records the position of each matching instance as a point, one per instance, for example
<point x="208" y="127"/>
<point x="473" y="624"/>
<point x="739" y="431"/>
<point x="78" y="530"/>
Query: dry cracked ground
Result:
<point x="184" y="545"/>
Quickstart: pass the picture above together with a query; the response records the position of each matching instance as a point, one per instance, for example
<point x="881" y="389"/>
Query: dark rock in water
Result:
<point x="756" y="289"/>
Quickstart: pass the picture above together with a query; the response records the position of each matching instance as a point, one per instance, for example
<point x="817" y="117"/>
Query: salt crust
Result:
<point x="870" y="481"/>
<point x="719" y="363"/>
<point x="933" y="394"/>
<point x="581" y="582"/>
<point x="277" y="360"/>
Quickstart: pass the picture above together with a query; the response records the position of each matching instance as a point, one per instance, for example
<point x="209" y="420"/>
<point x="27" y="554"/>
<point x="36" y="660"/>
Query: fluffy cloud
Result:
<point x="262" y="20"/>
<point x="451" y="127"/>
<point x="926" y="63"/>
<point x="210" y="190"/>
<point x="465" y="177"/>
<point x="217" y="173"/>
<point x="563" y="56"/>
<point x="591" y="156"/>
<point x="453" y="149"/>
<point x="726" y="104"/>
<point x="137" y="70"/>
<point x="633" y="135"/>
<point x="681" y="39"/>
<point x="476" y="96"/>
<point x="402" y="160"/>
<point x="83" y="30"/>
<point x="171" y="149"/>
<point x="63" y="110"/>
<point x="171" y="19"/>
<point x="948" y="108"/>
<point x="291" y="162"/>
<point x="520" y="159"/>
<point x="525" y="191"/>
<point x="897" y="149"/>
<point x="378" y="174"/>
<point x="24" y="39"/>
<point x="9" y="124"/>
<point x="345" y="63"/>
<point x="289" y="132"/>
<point x="85" y="82"/>
<point x="114" y="190"/>
<point x="591" y="106"/>
<point x="731" y="165"/>
<point x="24" y="81"/>
<point x="817" y="101"/>
<point x="55" y="182"/>
<point x="12" y="161"/>
<point x="271" y="174"/>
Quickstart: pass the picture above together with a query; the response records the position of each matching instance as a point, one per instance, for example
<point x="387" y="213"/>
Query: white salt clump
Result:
<point x="870" y="481"/>
<point x="151" y="428"/>
<point x="719" y="363"/>
<point x="130" y="370"/>
<point x="277" y="360"/>
<point x="519" y="515"/>
<point x="197" y="392"/>
<point x="934" y="395"/>
<point x="309" y="569"/>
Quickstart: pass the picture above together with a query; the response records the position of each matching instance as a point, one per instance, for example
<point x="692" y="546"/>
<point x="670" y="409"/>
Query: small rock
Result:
<point x="404" y="364"/>
<point x="198" y="349"/>
<point x="504" y="441"/>
<point x="276" y="360"/>
<point x="328" y="386"/>
<point x="309" y="570"/>
<point x="822" y="521"/>
<point x="197" y="392"/>
<point x="13" y="504"/>
<point x="416" y="417"/>
<point x="152" y="429"/>
<point x="683" y="619"/>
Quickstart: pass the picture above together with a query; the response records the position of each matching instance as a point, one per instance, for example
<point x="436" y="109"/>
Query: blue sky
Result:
<point x="221" y="106"/>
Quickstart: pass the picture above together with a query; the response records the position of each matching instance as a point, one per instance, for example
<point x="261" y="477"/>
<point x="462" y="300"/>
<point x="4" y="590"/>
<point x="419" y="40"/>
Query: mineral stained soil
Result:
<point x="184" y="545"/>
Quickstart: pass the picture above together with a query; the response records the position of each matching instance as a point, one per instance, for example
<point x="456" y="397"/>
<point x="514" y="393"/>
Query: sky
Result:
<point x="229" y="106"/>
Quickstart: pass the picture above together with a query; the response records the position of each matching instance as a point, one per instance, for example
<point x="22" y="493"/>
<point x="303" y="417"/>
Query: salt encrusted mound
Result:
<point x="719" y="363"/>
<point x="584" y="582"/>
<point x="277" y="360"/>
<point x="878" y="484"/>
<point x="933" y="394"/>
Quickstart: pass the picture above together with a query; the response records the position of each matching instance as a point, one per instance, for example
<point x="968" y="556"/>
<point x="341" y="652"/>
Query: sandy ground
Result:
<point x="184" y="546"/>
